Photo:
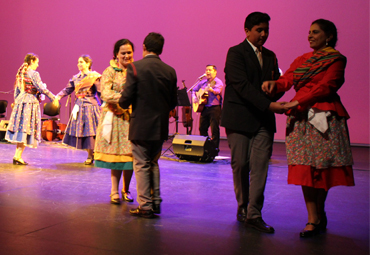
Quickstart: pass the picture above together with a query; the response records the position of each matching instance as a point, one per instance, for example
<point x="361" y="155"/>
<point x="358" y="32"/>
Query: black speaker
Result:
<point x="3" y="127"/>
<point x="194" y="148"/>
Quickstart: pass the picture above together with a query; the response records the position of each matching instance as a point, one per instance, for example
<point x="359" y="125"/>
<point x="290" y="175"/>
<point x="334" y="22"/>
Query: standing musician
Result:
<point x="207" y="99"/>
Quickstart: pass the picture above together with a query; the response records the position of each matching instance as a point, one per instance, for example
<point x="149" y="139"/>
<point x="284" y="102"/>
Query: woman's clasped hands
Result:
<point x="56" y="101"/>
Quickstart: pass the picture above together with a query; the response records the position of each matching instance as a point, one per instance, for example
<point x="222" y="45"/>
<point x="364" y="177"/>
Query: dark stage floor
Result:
<point x="57" y="205"/>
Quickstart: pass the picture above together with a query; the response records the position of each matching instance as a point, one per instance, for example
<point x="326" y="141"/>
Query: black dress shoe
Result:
<point x="310" y="233"/>
<point x="241" y="214"/>
<point x="260" y="225"/>
<point x="156" y="208"/>
<point x="142" y="213"/>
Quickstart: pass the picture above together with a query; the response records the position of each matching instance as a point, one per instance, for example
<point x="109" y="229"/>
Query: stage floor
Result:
<point x="57" y="205"/>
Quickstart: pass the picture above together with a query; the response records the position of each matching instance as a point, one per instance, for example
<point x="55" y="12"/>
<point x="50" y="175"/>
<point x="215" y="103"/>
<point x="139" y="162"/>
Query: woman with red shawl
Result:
<point x="317" y="140"/>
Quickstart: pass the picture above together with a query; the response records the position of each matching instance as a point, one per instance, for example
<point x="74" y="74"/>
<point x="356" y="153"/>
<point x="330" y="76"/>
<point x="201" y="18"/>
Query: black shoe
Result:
<point x="142" y="213"/>
<point x="260" y="225"/>
<point x="156" y="208"/>
<point x="126" y="196"/>
<point x="217" y="151"/>
<point x="19" y="162"/>
<point x="310" y="233"/>
<point x="241" y="214"/>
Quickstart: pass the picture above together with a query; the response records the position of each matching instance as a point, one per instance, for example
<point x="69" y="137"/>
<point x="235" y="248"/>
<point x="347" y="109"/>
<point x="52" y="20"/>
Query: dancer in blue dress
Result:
<point x="83" y="122"/>
<point x="24" y="127"/>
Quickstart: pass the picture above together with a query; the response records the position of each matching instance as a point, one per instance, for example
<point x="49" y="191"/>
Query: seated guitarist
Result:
<point x="208" y="94"/>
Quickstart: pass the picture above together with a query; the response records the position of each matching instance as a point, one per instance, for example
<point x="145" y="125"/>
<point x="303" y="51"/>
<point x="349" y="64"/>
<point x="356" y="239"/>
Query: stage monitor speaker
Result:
<point x="194" y="148"/>
<point x="3" y="127"/>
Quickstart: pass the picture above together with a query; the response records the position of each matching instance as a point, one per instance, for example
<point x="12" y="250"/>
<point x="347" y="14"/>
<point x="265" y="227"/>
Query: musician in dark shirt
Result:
<point x="207" y="99"/>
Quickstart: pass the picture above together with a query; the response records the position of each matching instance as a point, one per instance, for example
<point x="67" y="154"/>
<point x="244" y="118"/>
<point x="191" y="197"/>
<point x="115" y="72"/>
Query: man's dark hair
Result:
<point x="256" y="18"/>
<point x="154" y="43"/>
<point x="214" y="67"/>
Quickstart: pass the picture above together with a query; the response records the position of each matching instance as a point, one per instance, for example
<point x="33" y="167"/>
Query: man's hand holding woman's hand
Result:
<point x="281" y="107"/>
<point x="291" y="105"/>
<point x="278" y="107"/>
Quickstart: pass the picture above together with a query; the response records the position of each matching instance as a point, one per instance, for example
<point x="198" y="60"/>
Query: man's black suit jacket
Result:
<point x="245" y="106"/>
<point x="152" y="91"/>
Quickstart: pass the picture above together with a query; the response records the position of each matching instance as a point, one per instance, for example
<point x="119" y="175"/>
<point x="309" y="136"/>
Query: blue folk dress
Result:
<point x="81" y="128"/>
<point x="25" y="120"/>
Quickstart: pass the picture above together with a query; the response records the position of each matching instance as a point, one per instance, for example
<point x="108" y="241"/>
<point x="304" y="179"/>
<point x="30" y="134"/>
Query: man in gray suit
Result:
<point x="152" y="91"/>
<point x="248" y="116"/>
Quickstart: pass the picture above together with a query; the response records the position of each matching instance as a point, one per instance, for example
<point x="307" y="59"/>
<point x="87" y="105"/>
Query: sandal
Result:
<point x="126" y="196"/>
<point x="89" y="161"/>
<point x="115" y="200"/>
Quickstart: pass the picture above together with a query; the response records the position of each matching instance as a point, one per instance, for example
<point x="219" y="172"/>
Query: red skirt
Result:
<point x="315" y="159"/>
<point x="320" y="178"/>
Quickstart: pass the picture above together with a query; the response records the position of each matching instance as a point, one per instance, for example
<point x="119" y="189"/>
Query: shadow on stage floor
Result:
<point x="57" y="205"/>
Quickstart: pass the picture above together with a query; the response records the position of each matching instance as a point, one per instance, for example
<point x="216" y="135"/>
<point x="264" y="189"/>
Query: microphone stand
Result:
<point x="196" y="83"/>
<point x="182" y="100"/>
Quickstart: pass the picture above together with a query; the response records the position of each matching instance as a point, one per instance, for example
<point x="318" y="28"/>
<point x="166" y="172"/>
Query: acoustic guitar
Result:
<point x="202" y="97"/>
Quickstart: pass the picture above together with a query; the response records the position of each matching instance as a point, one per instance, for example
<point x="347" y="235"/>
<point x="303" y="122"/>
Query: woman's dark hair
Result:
<point x="22" y="70"/>
<point x="329" y="29"/>
<point x="118" y="44"/>
<point x="256" y="18"/>
<point x="154" y="43"/>
<point x="30" y="57"/>
<point x="87" y="60"/>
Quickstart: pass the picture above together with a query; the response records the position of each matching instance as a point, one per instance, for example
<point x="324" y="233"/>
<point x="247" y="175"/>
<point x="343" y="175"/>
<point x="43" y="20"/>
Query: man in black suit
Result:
<point x="152" y="91"/>
<point x="248" y="116"/>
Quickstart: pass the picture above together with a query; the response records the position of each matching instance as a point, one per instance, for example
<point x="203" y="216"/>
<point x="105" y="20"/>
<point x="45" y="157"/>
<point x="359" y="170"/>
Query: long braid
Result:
<point x="19" y="79"/>
<point x="22" y="71"/>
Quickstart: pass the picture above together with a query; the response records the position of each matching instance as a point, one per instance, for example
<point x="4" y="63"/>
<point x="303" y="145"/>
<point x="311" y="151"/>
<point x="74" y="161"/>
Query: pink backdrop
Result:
<point x="196" y="32"/>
